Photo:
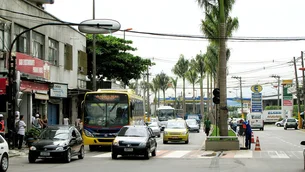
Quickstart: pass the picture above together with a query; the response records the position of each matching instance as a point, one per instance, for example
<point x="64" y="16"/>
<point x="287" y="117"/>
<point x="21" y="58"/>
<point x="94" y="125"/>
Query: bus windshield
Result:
<point x="166" y="114"/>
<point x="106" y="110"/>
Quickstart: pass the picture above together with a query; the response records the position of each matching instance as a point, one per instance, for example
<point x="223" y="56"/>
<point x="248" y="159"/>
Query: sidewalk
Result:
<point x="17" y="152"/>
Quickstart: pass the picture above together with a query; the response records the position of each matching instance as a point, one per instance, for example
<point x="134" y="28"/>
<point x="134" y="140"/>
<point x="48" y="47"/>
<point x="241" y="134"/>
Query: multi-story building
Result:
<point x="50" y="60"/>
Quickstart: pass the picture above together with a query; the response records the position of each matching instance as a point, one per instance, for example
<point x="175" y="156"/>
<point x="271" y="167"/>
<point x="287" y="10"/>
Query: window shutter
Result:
<point x="68" y="57"/>
<point x="82" y="63"/>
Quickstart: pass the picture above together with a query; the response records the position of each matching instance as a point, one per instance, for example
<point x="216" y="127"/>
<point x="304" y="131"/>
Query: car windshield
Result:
<point x="291" y="120"/>
<point x="176" y="125"/>
<point x="133" y="132"/>
<point x="191" y="122"/>
<point x="153" y="124"/>
<point x="54" y="134"/>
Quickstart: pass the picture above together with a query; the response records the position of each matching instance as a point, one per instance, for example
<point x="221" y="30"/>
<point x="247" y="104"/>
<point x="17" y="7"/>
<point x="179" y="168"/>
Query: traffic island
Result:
<point x="221" y="143"/>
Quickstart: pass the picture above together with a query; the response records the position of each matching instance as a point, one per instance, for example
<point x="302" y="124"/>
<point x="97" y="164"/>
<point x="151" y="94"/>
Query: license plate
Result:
<point x="175" y="137"/>
<point x="128" y="149"/>
<point x="45" y="153"/>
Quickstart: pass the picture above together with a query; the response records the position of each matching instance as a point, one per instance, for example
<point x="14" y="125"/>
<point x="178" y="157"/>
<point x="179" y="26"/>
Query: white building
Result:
<point x="51" y="60"/>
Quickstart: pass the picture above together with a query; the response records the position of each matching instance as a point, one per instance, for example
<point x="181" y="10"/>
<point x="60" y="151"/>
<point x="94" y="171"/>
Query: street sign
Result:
<point x="256" y="88"/>
<point x="256" y="102"/>
<point x="99" y="26"/>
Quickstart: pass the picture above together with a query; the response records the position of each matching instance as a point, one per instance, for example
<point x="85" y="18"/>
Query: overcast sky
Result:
<point x="254" y="61"/>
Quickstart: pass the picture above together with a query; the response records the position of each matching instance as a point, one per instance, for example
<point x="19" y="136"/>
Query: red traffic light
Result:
<point x="216" y="92"/>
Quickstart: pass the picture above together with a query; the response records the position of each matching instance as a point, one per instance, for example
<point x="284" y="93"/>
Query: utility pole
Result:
<point x="303" y="86"/>
<point x="241" y="95"/>
<point x="144" y="87"/>
<point x="297" y="89"/>
<point x="278" y="89"/>
<point x="94" y="56"/>
<point x="147" y="85"/>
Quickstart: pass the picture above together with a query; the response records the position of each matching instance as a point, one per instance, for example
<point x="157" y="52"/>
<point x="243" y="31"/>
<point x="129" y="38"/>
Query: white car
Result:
<point x="4" y="163"/>
<point x="155" y="128"/>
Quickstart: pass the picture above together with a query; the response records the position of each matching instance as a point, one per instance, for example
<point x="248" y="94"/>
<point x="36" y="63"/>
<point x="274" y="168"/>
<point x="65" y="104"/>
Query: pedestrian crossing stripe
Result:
<point x="159" y="153"/>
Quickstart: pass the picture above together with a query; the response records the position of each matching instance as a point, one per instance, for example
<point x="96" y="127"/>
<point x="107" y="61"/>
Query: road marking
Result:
<point x="104" y="155"/>
<point x="175" y="154"/>
<point x="244" y="154"/>
<point x="282" y="154"/>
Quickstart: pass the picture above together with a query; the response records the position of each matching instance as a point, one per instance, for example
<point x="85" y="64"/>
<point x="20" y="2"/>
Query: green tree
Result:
<point x="163" y="81"/>
<point x="154" y="87"/>
<point x="219" y="10"/>
<point x="114" y="60"/>
<point x="132" y="86"/>
<point x="180" y="69"/>
<point x="192" y="77"/>
<point x="174" y="82"/>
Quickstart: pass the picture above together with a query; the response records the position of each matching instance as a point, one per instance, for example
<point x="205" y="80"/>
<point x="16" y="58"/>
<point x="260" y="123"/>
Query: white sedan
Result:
<point x="4" y="162"/>
<point x="156" y="129"/>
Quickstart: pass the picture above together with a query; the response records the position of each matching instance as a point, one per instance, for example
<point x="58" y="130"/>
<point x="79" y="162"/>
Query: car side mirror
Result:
<point x="302" y="142"/>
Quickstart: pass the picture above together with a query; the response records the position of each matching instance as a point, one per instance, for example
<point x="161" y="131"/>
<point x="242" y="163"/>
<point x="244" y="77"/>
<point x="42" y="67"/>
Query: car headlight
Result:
<point x="33" y="148"/>
<point x="88" y="134"/>
<point x="184" y="133"/>
<point x="142" y="144"/>
<point x="59" y="148"/>
<point x="115" y="143"/>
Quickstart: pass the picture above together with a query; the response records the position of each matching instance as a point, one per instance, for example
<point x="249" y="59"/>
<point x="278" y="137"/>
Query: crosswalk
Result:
<point x="197" y="154"/>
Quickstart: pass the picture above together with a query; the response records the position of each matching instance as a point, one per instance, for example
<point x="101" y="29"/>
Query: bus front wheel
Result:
<point x="92" y="147"/>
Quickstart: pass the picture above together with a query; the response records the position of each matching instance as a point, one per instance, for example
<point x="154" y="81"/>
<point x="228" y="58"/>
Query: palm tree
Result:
<point x="218" y="32"/>
<point x="199" y="66"/>
<point x="180" y="69"/>
<point x="154" y="88"/>
<point x="192" y="77"/>
<point x="164" y="81"/>
<point x="174" y="82"/>
<point x="132" y="86"/>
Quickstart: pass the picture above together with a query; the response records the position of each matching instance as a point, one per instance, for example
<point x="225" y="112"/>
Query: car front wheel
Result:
<point x="32" y="159"/>
<point x="81" y="154"/>
<point x="114" y="156"/>
<point x="4" y="163"/>
<point x="68" y="156"/>
<point x="278" y="125"/>
<point x="153" y="153"/>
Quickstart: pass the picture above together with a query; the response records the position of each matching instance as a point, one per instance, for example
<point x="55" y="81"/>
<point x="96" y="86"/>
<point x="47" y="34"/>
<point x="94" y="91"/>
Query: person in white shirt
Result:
<point x="20" y="128"/>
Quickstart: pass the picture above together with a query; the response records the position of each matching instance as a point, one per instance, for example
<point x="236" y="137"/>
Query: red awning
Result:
<point x="28" y="86"/>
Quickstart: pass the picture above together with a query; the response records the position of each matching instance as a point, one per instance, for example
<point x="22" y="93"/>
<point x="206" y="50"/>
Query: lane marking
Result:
<point x="175" y="154"/>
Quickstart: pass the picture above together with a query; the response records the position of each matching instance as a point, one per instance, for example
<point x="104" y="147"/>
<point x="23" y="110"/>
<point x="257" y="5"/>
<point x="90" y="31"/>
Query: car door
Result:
<point x="72" y="142"/>
<point x="79" y="140"/>
<point x="152" y="140"/>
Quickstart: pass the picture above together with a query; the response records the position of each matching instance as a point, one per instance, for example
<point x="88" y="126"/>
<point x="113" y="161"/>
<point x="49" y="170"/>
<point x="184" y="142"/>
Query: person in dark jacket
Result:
<point x="248" y="134"/>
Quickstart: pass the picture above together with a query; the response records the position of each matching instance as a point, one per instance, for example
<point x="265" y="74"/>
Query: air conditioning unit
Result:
<point x="81" y="69"/>
<point x="3" y="54"/>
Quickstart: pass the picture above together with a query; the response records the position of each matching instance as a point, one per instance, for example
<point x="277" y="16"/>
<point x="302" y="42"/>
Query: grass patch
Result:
<point x="230" y="133"/>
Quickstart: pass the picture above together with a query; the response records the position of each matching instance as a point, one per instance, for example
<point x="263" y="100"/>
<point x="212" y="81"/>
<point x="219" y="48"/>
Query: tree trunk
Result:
<point x="222" y="78"/>
<point x="201" y="98"/>
<point x="193" y="98"/>
<point x="155" y="104"/>
<point x="175" y="99"/>
<point x="158" y="98"/>
<point x="164" y="98"/>
<point x="183" y="104"/>
<point x="208" y="96"/>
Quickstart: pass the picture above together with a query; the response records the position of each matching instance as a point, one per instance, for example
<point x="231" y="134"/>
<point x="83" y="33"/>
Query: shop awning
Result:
<point x="41" y="96"/>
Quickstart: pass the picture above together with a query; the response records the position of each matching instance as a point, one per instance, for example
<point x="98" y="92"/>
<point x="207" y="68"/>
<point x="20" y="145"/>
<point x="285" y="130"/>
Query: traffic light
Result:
<point x="216" y="98"/>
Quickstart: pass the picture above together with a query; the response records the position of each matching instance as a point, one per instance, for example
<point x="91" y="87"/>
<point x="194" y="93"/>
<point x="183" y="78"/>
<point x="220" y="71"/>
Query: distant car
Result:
<point x="280" y="123"/>
<point x="4" y="163"/>
<point x="193" y="125"/>
<point x="155" y="120"/>
<point x="134" y="140"/>
<point x="290" y="123"/>
<point x="176" y="131"/>
<point x="57" y="141"/>
<point x="155" y="128"/>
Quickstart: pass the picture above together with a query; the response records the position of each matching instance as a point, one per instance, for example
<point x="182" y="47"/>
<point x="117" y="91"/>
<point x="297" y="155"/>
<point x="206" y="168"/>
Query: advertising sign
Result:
<point x="2" y="86"/>
<point x="59" y="90"/>
<point x="256" y="98"/>
<point x="272" y="115"/>
<point x="287" y="96"/>
<point x="33" y="66"/>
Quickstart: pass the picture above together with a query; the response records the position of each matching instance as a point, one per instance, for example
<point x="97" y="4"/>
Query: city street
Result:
<point x="280" y="151"/>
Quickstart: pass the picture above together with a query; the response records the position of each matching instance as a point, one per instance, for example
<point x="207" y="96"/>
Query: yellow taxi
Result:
<point x="176" y="131"/>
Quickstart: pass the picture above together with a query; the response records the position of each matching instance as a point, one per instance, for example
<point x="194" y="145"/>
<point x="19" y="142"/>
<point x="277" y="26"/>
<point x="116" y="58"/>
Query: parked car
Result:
<point x="290" y="123"/>
<point x="280" y="123"/>
<point x="155" y="128"/>
<point x="4" y="163"/>
<point x="57" y="141"/>
<point x="193" y="125"/>
<point x="134" y="140"/>
<point x="176" y="131"/>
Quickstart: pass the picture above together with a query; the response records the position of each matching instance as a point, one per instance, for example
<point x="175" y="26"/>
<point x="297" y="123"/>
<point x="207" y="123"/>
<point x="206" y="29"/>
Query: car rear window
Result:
<point x="291" y="120"/>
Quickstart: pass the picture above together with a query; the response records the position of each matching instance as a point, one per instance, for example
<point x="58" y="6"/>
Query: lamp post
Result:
<point x="303" y="88"/>
<point x="241" y="95"/>
<point x="94" y="54"/>
<point x="88" y="26"/>
<point x="278" y="89"/>
<point x="128" y="29"/>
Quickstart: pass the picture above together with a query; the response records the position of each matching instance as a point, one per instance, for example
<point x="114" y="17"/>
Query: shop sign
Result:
<point x="59" y="90"/>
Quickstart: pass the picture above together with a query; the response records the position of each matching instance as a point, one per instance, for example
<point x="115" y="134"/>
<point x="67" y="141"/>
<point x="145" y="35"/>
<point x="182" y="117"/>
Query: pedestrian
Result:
<point x="2" y="126"/>
<point x="15" y="135"/>
<point x="20" y="128"/>
<point x="248" y="133"/>
<point x="36" y="122"/>
<point x="44" y="121"/>
<point x="207" y="126"/>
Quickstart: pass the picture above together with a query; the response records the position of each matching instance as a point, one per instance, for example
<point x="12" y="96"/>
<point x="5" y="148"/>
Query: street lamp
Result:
<point x="88" y="26"/>
<point x="278" y="88"/>
<point x="241" y="95"/>
<point x="128" y="29"/>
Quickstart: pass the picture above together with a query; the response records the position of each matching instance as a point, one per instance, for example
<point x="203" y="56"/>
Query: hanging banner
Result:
<point x="287" y="96"/>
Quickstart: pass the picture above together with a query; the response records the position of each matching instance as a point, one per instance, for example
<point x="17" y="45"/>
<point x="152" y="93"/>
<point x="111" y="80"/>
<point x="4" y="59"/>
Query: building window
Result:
<point x="2" y="36"/>
<point x="82" y="62"/>
<point x="22" y="44"/>
<point x="68" y="57"/>
<point x="38" y="44"/>
<point x="53" y="52"/>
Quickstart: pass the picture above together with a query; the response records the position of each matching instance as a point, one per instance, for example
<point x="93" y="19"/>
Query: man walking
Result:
<point x="248" y="134"/>
<point x="20" y="128"/>
<point x="207" y="126"/>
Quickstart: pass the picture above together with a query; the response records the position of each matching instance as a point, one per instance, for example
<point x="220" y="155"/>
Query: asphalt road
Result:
<point x="280" y="151"/>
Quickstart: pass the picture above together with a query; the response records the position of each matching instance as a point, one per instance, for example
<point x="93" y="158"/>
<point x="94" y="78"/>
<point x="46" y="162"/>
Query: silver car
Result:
<point x="156" y="129"/>
<point x="192" y="125"/>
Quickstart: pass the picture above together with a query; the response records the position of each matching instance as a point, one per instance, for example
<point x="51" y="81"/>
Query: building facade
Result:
<point x="51" y="62"/>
